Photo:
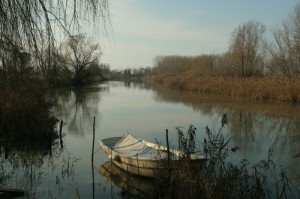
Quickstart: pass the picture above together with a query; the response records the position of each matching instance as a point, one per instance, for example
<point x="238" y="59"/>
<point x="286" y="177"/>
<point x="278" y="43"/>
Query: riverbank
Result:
<point x="256" y="88"/>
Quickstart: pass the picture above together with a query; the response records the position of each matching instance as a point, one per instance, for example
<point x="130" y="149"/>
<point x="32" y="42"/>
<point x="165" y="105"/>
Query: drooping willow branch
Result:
<point x="31" y="25"/>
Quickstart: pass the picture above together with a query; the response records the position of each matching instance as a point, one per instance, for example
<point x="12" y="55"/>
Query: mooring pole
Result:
<point x="93" y="158"/>
<point x="93" y="141"/>
<point x="168" y="153"/>
<point x="168" y="149"/>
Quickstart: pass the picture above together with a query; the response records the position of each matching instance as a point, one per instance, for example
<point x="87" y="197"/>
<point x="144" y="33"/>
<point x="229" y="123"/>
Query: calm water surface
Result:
<point x="146" y="113"/>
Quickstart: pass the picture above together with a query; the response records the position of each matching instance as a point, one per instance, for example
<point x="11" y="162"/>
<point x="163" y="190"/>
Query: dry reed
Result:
<point x="256" y="88"/>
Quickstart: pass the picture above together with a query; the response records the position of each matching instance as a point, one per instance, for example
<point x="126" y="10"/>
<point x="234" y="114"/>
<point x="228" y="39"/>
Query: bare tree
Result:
<point x="246" y="49"/>
<point x="285" y="51"/>
<point x="81" y="52"/>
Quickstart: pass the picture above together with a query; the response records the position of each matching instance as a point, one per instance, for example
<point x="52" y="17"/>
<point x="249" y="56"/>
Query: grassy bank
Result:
<point x="257" y="88"/>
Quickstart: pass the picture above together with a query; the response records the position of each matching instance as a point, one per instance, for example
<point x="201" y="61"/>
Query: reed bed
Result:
<point x="256" y="88"/>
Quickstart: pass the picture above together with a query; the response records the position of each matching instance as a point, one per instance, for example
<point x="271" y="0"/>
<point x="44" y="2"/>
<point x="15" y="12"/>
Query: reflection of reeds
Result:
<point x="257" y="88"/>
<point x="207" y="102"/>
<point x="218" y="178"/>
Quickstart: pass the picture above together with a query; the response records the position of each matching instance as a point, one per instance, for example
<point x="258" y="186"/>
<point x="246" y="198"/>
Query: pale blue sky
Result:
<point x="144" y="29"/>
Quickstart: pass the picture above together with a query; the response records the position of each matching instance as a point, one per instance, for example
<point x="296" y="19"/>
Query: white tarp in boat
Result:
<point x="133" y="147"/>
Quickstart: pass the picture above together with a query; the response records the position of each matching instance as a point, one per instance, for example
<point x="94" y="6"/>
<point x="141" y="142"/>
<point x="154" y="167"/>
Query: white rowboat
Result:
<point x="143" y="158"/>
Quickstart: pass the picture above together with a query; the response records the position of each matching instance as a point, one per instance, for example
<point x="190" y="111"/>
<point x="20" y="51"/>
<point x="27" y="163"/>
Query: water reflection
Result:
<point x="145" y="111"/>
<point x="137" y="84"/>
<point x="208" y="103"/>
<point x="44" y="172"/>
<point x="258" y="128"/>
<point x="39" y="175"/>
<point x="74" y="105"/>
<point x="130" y="185"/>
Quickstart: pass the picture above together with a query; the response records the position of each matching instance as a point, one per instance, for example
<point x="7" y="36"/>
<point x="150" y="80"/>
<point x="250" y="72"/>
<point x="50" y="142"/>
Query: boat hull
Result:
<point x="157" y="166"/>
<point x="136" y="186"/>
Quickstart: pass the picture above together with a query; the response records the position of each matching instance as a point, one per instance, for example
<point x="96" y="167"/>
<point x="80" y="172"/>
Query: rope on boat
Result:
<point x="97" y="150"/>
<point x="127" y="145"/>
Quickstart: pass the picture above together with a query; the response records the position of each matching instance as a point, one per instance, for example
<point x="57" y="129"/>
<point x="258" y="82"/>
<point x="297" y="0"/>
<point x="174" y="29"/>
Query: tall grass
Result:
<point x="257" y="88"/>
<point x="218" y="178"/>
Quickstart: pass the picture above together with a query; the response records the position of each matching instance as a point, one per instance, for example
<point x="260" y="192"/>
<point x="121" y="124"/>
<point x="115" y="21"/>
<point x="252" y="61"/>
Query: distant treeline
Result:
<point x="252" y="66"/>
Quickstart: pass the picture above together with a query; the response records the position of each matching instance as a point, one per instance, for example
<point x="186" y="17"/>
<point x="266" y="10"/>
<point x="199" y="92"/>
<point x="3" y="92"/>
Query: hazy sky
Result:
<point x="144" y="29"/>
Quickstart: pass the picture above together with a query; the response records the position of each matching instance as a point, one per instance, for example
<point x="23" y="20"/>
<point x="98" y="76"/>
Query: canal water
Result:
<point x="258" y="129"/>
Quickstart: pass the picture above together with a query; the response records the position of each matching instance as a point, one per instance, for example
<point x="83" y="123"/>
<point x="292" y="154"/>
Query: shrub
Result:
<point x="26" y="121"/>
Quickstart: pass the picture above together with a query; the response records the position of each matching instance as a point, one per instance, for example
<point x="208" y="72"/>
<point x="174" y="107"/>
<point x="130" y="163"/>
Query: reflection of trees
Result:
<point x="287" y="133"/>
<point x="208" y="103"/>
<point x="248" y="127"/>
<point x="249" y="120"/>
<point x="255" y="127"/>
<point x="241" y="125"/>
<point x="136" y="84"/>
<point x="76" y="107"/>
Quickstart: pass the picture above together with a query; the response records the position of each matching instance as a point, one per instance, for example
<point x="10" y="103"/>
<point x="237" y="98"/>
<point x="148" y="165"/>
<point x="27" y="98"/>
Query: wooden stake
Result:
<point x="93" y="158"/>
<point x="93" y="141"/>
<point x="168" y="149"/>
<point x="168" y="153"/>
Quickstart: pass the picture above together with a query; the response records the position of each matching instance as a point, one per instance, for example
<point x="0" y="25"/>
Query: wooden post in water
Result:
<point x="93" y="141"/>
<point x="60" y="134"/>
<point x="168" y="153"/>
<point x="168" y="149"/>
<point x="93" y="159"/>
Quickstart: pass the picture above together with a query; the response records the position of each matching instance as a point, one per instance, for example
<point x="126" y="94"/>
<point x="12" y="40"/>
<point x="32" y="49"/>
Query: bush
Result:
<point x="26" y="122"/>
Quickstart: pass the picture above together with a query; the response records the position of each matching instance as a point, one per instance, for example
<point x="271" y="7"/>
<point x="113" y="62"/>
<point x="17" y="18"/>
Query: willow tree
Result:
<point x="28" y="42"/>
<point x="30" y="27"/>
